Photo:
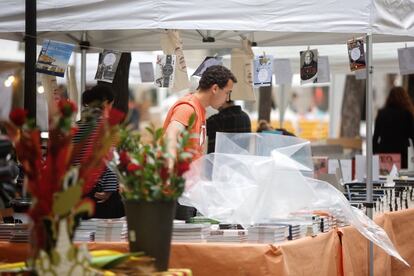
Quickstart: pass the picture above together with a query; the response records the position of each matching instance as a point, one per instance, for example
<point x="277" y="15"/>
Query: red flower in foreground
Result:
<point x="164" y="173"/>
<point x="124" y="158"/>
<point x="115" y="116"/>
<point x="18" y="116"/>
<point x="133" y="167"/>
<point x="182" y="167"/>
<point x="66" y="107"/>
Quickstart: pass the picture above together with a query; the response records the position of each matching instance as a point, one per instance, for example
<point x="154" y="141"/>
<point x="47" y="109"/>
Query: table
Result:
<point x="338" y="252"/>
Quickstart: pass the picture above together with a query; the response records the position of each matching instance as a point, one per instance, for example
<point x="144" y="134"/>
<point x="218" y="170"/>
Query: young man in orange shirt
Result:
<point x="213" y="90"/>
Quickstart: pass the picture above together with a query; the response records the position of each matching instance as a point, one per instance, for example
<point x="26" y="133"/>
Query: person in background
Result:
<point x="213" y="90"/>
<point x="264" y="126"/>
<point x="231" y="118"/>
<point x="106" y="191"/>
<point x="394" y="125"/>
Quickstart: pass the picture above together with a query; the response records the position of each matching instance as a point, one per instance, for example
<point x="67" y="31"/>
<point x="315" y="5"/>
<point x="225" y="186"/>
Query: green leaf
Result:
<point x="64" y="201"/>
<point x="108" y="262"/>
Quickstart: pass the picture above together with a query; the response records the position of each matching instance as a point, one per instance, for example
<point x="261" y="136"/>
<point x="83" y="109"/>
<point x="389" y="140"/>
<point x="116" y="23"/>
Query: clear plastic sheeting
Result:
<point x="257" y="177"/>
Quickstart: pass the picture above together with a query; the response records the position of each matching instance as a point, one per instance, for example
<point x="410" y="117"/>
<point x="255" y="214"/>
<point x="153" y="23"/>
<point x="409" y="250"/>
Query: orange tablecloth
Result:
<point x="342" y="252"/>
<point x="321" y="254"/>
<point x="400" y="228"/>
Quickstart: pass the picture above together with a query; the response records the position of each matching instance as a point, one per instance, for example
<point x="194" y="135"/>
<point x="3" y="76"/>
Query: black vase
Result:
<point x="150" y="229"/>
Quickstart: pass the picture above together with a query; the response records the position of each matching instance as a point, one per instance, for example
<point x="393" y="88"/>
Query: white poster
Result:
<point x="406" y="60"/>
<point x="164" y="71"/>
<point x="324" y="73"/>
<point x="146" y="70"/>
<point x="263" y="71"/>
<point x="283" y="71"/>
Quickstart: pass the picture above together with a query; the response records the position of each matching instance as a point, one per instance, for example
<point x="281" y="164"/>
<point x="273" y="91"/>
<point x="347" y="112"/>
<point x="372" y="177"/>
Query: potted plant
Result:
<point x="152" y="180"/>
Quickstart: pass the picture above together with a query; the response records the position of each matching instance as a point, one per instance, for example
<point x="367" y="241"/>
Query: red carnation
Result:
<point x="132" y="167"/>
<point x="124" y="158"/>
<point x="18" y="116"/>
<point x="115" y="116"/>
<point x="182" y="167"/>
<point x="164" y="173"/>
<point x="66" y="107"/>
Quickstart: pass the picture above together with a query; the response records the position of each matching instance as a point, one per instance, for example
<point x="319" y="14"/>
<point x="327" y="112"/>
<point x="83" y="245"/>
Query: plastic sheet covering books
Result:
<point x="254" y="177"/>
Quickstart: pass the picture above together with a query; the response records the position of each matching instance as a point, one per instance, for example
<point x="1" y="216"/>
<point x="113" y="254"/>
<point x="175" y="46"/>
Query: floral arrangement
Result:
<point x="148" y="171"/>
<point x="56" y="186"/>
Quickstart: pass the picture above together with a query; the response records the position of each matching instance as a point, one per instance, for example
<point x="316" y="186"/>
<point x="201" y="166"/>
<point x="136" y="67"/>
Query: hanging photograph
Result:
<point x="263" y="71"/>
<point x="164" y="70"/>
<point x="356" y="54"/>
<point x="208" y="61"/>
<point x="146" y="71"/>
<point x="406" y="60"/>
<point x="54" y="57"/>
<point x="308" y="66"/>
<point x="108" y="63"/>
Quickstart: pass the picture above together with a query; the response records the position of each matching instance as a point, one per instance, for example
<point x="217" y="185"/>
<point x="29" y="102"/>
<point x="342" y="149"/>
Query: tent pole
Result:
<point x="369" y="120"/>
<point x="282" y="105"/>
<point x="30" y="59"/>
<point x="83" y="66"/>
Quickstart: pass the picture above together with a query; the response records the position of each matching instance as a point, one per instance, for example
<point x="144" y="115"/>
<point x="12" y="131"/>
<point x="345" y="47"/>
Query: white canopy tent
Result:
<point x="137" y="25"/>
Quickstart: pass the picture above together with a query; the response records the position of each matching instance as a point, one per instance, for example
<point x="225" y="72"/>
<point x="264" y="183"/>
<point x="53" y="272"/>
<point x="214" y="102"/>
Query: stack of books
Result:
<point x="86" y="231"/>
<point x="228" y="235"/>
<point x="111" y="230"/>
<point x="12" y="232"/>
<point x="268" y="233"/>
<point x="189" y="232"/>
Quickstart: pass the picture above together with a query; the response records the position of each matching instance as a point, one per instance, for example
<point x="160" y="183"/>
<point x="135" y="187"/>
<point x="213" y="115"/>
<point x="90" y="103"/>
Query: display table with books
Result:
<point x="341" y="251"/>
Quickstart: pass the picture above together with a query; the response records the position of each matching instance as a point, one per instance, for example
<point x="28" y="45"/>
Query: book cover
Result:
<point x="387" y="160"/>
<point x="320" y="165"/>
<point x="309" y="66"/>
<point x="54" y="57"/>
<point x="208" y="61"/>
<point x="164" y="71"/>
<point x="146" y="70"/>
<point x="356" y="53"/>
<point x="263" y="71"/>
<point x="108" y="63"/>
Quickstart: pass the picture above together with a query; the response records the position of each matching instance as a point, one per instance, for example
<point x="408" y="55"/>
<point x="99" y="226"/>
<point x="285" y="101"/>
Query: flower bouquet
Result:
<point x="152" y="180"/>
<point x="56" y="186"/>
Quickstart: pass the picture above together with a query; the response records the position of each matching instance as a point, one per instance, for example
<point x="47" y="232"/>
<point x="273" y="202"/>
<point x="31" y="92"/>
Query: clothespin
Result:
<point x="406" y="45"/>
<point x="308" y="47"/>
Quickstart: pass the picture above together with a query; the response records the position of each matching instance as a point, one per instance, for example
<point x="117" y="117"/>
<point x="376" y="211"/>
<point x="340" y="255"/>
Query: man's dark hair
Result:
<point x="216" y="74"/>
<point x="97" y="95"/>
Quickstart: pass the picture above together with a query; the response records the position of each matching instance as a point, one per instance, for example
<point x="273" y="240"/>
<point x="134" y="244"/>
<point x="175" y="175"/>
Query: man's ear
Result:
<point x="215" y="88"/>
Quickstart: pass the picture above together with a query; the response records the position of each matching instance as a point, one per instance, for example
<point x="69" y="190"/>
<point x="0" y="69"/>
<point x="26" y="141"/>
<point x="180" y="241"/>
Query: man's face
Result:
<point x="308" y="57"/>
<point x="220" y="96"/>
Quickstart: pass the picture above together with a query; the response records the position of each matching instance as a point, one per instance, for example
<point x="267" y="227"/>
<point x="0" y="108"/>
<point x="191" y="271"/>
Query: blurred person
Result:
<point x="106" y="191"/>
<point x="394" y="125"/>
<point x="231" y="118"/>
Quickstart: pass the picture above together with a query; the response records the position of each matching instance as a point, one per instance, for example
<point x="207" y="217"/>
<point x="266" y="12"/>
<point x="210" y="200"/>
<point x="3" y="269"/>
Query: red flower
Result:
<point x="115" y="116"/>
<point x="66" y="107"/>
<point x="182" y="167"/>
<point x="164" y="173"/>
<point x="124" y="158"/>
<point x="18" y="116"/>
<point x="132" y="167"/>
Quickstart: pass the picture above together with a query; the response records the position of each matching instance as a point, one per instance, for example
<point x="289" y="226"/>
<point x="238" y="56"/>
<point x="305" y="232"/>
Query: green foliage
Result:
<point x="148" y="171"/>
